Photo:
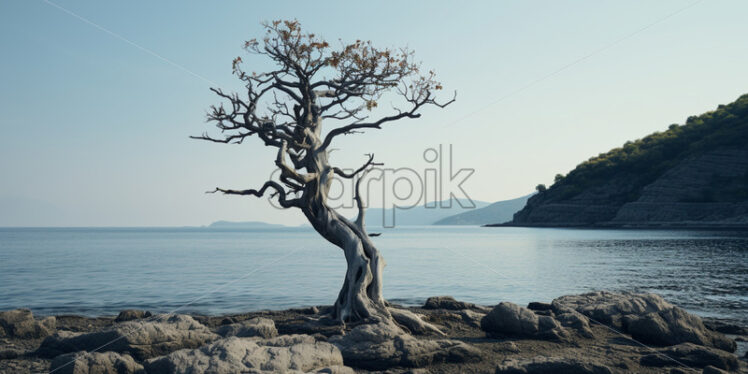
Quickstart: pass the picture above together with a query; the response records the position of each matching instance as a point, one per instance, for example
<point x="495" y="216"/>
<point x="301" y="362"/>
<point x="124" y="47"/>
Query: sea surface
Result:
<point x="100" y="271"/>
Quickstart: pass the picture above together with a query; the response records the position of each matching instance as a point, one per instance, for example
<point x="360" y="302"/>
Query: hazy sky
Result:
<point x="95" y="129"/>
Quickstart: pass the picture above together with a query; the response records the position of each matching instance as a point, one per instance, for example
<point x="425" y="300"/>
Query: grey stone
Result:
<point x="539" y="306"/>
<point x="725" y="327"/>
<point x="20" y="323"/>
<point x="446" y="302"/>
<point x="507" y="319"/>
<point x="471" y="318"/>
<point x="258" y="326"/>
<point x="337" y="369"/>
<point x="556" y="365"/>
<point x="384" y="345"/>
<point x="132" y="314"/>
<point x="691" y="355"/>
<point x="611" y="307"/>
<point x="234" y="355"/>
<point x="9" y="354"/>
<point x="143" y="339"/>
<point x="576" y="321"/>
<point x="95" y="363"/>
<point x="674" y="326"/>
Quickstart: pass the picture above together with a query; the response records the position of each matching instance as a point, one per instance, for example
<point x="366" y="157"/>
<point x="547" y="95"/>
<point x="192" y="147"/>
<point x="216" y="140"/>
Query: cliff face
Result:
<point x="691" y="175"/>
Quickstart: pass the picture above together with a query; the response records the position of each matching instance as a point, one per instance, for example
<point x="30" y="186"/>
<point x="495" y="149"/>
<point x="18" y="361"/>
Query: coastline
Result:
<point x="716" y="226"/>
<point x="601" y="332"/>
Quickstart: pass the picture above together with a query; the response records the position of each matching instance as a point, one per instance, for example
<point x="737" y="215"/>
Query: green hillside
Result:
<point x="647" y="158"/>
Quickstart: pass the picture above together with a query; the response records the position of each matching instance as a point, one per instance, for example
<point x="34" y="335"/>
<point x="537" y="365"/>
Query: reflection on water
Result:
<point x="101" y="271"/>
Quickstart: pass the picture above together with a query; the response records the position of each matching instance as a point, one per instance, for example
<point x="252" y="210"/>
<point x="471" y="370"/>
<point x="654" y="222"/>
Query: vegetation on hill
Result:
<point x="647" y="158"/>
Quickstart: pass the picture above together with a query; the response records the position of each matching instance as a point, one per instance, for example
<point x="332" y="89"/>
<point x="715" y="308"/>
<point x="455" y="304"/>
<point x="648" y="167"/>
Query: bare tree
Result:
<point x="286" y="107"/>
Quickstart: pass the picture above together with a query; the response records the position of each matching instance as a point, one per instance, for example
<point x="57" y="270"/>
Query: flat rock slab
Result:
<point x="611" y="307"/>
<point x="691" y="355"/>
<point x="94" y="362"/>
<point x="555" y="365"/>
<point x="449" y="303"/>
<point x="384" y="345"/>
<point x="239" y="355"/>
<point x="141" y="338"/>
<point x="258" y="326"/>
<point x="20" y="323"/>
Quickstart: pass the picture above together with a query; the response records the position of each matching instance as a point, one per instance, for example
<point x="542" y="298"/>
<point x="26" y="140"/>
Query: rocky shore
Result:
<point x="601" y="332"/>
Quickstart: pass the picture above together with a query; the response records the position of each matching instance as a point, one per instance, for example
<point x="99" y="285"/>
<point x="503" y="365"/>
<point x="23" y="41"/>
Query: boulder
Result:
<point x="142" y="338"/>
<point x="725" y="327"/>
<point x="577" y="322"/>
<point x="507" y="319"/>
<point x="20" y="323"/>
<point x="235" y="355"/>
<point x="611" y="307"/>
<point x="258" y="326"/>
<point x="471" y="318"/>
<point x="556" y="365"/>
<point x="674" y="326"/>
<point x="384" y="345"/>
<point x="132" y="314"/>
<point x="95" y="363"/>
<point x="691" y="355"/>
<point x="446" y="302"/>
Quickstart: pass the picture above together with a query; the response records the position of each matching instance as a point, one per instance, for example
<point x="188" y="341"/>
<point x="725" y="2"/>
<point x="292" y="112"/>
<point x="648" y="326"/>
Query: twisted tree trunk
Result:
<point x="361" y="294"/>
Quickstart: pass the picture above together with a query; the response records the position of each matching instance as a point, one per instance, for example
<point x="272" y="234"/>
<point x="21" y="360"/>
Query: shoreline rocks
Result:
<point x="143" y="339"/>
<point x="20" y="323"/>
<point x="563" y="336"/>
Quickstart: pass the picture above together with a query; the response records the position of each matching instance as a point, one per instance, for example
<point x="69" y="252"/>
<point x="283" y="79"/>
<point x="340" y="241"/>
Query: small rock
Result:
<point x="507" y="319"/>
<point x="132" y="314"/>
<point x="577" y="322"/>
<point x="235" y="355"/>
<point x="471" y="318"/>
<point x="9" y="354"/>
<point x="446" y="302"/>
<point x="539" y="306"/>
<point x="85" y="363"/>
<point x="258" y="326"/>
<point x="337" y="369"/>
<point x="20" y="323"/>
<point x="692" y="355"/>
<point x="724" y="326"/>
<point x="510" y="347"/>
<point x="557" y="365"/>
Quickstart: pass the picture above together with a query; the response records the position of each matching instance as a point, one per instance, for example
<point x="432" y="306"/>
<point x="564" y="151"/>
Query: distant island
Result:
<point x="691" y="176"/>
<point x="422" y="214"/>
<point x="500" y="211"/>
<point x="244" y="225"/>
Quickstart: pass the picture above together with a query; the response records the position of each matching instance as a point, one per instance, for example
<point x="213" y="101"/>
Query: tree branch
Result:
<point x="279" y="191"/>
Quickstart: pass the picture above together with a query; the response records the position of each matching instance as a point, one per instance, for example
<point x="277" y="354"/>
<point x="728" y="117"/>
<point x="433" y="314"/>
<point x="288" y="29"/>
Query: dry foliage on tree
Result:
<point x="285" y="108"/>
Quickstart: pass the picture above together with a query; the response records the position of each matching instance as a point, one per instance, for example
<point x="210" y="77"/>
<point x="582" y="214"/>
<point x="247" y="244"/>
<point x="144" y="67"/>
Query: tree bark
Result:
<point x="361" y="294"/>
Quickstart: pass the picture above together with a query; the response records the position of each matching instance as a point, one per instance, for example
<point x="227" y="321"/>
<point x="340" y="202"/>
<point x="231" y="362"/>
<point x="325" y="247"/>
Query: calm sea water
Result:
<point x="101" y="271"/>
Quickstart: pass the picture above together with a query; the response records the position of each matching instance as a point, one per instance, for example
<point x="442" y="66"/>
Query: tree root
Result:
<point x="413" y="322"/>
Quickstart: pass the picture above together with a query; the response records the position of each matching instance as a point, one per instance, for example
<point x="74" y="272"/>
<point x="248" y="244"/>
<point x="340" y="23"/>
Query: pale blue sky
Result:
<point x="95" y="130"/>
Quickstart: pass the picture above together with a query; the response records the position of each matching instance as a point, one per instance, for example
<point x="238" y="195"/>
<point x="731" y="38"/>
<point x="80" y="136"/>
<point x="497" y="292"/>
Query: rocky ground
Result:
<point x="598" y="332"/>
